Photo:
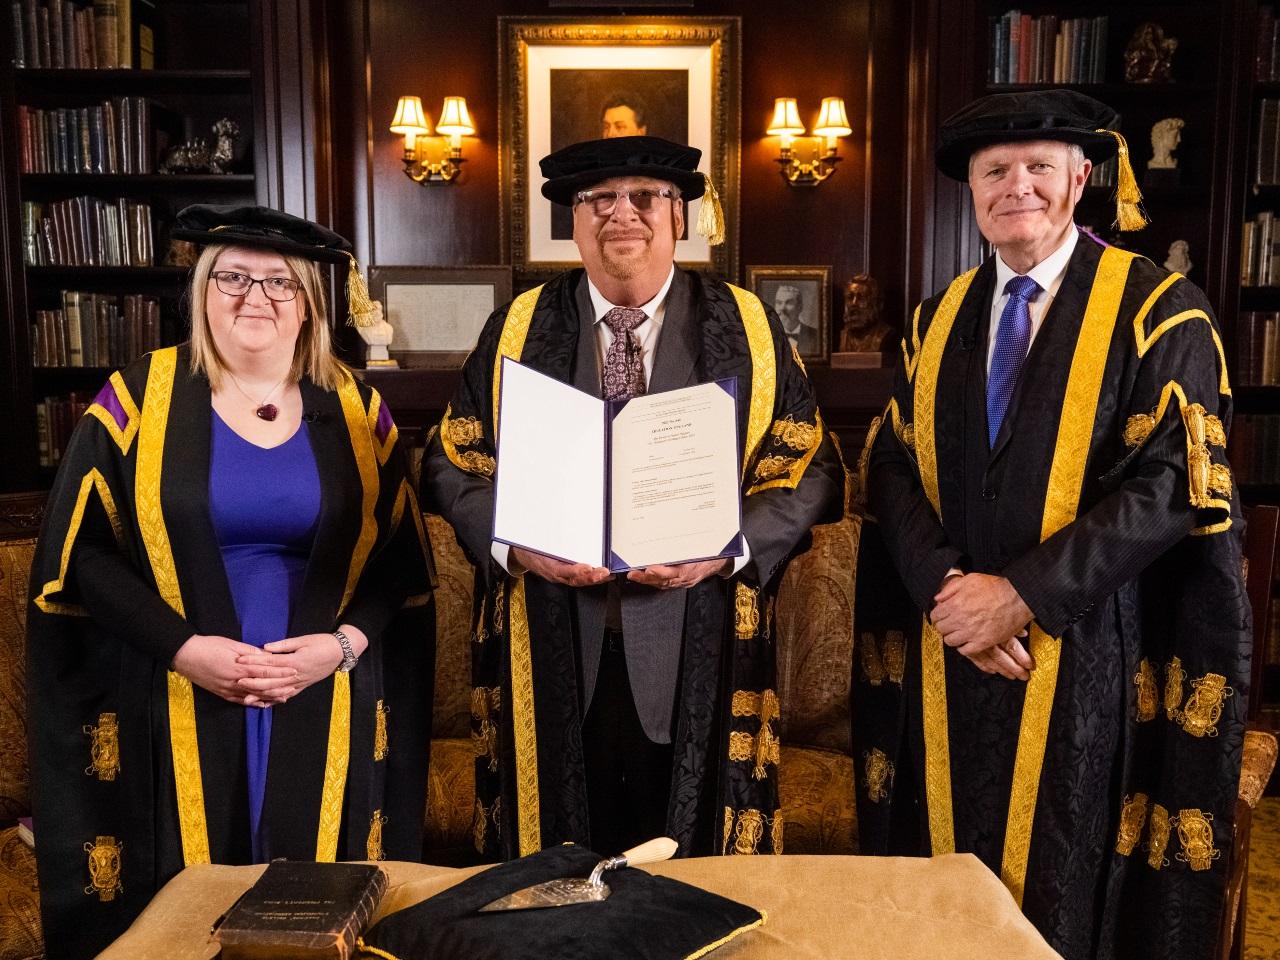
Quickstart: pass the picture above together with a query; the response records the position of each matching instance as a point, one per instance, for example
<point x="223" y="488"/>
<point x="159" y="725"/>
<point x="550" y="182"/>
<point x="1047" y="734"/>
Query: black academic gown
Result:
<point x="1103" y="792"/>
<point x="137" y="772"/>
<point x="536" y="644"/>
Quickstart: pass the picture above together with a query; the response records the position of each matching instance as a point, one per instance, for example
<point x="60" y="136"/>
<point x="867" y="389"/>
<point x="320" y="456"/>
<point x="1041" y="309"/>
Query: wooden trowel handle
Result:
<point x="651" y="851"/>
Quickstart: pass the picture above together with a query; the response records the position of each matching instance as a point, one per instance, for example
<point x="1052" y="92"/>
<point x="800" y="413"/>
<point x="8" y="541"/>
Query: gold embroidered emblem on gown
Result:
<point x="486" y="703"/>
<point x="764" y="747"/>
<point x="748" y="832"/>
<point x="104" y="749"/>
<point x="473" y="461"/>
<point x="1173" y="677"/>
<point x="1204" y="706"/>
<point x="895" y="655"/>
<point x="770" y="468"/>
<point x="797" y="436"/>
<point x="1197" y="454"/>
<point x="879" y="774"/>
<point x="775" y="832"/>
<point x="104" y="868"/>
<point x="1148" y="697"/>
<point x="1132" y="815"/>
<point x="1213" y="431"/>
<point x="1159" y="837"/>
<point x="746" y="612"/>
<point x="1195" y="833"/>
<point x="869" y="655"/>
<point x="1220" y="479"/>
<point x="1138" y="428"/>
<point x="465" y="431"/>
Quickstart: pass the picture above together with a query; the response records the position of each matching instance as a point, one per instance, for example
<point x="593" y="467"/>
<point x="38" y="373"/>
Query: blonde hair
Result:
<point x="313" y="355"/>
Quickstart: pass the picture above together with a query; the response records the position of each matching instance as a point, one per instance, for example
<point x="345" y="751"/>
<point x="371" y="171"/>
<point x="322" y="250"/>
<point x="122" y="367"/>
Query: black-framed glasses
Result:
<point x="280" y="289"/>
<point x="603" y="202"/>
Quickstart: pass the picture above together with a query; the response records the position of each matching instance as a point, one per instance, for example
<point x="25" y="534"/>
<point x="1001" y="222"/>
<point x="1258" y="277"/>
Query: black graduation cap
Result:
<point x="1065" y="115"/>
<point x="260" y="227"/>
<point x="269" y="229"/>
<point x="583" y="165"/>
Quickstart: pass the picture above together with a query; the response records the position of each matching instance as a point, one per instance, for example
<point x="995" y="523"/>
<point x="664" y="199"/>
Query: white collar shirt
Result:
<point x="646" y="332"/>
<point x="1048" y="273"/>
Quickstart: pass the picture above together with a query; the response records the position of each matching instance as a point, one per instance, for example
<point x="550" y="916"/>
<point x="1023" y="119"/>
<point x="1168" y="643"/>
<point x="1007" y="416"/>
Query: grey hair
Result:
<point x="1075" y="153"/>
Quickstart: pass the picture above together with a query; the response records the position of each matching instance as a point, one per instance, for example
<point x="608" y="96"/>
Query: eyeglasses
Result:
<point x="603" y="202"/>
<point x="280" y="289"/>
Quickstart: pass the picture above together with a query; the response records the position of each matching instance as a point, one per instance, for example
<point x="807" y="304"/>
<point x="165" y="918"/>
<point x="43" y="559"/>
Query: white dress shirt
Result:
<point x="1048" y="273"/>
<point x="647" y="333"/>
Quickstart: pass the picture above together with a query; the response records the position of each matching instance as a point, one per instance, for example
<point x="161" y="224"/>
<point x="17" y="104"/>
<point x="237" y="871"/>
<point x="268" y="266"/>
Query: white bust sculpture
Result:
<point x="1179" y="257"/>
<point x="377" y="336"/>
<point x="1166" y="134"/>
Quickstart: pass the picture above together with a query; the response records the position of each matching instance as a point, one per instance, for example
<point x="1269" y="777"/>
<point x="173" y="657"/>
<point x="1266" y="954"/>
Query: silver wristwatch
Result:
<point x="348" y="655"/>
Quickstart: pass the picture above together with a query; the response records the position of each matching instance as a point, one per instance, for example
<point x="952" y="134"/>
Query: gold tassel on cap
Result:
<point x="360" y="309"/>
<point x="711" y="215"/>
<point x="1129" y="212"/>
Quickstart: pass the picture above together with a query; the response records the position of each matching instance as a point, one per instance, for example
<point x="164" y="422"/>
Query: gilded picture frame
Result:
<point x="556" y="76"/>
<point x="801" y="296"/>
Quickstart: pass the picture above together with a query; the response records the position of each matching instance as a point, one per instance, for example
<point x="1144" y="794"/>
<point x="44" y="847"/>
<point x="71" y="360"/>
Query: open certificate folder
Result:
<point x="617" y="483"/>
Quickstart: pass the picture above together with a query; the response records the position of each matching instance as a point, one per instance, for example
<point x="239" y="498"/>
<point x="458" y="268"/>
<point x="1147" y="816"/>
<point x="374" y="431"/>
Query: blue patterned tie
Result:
<point x="1012" y="339"/>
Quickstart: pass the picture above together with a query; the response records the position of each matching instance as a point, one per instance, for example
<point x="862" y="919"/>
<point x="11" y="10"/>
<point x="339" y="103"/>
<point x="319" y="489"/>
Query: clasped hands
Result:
<point x="657" y="575"/>
<point x="982" y="616"/>
<point x="242" y="673"/>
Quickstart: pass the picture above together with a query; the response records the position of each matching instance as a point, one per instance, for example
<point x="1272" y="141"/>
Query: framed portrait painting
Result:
<point x="801" y="297"/>
<point x="568" y="80"/>
<point x="438" y="312"/>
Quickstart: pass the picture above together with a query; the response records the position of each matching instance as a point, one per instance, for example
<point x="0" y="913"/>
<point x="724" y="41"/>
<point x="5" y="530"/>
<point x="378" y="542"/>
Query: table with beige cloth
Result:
<point x="868" y="908"/>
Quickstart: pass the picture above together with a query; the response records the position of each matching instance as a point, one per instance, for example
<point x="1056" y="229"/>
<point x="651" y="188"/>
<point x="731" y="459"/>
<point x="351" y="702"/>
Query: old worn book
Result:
<point x="302" y="910"/>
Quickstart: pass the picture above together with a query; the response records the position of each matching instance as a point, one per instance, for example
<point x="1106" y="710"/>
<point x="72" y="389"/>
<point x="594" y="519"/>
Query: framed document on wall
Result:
<point x="438" y="312"/>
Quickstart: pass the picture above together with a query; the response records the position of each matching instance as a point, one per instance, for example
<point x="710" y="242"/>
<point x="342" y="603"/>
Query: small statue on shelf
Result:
<point x="1148" y="58"/>
<point x="862" y="329"/>
<point x="194" y="156"/>
<point x="1179" y="257"/>
<point x="377" y="337"/>
<point x="1166" y="134"/>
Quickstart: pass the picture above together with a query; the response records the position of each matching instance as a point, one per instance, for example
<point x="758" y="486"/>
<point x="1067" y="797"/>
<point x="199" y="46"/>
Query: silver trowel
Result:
<point x="566" y="890"/>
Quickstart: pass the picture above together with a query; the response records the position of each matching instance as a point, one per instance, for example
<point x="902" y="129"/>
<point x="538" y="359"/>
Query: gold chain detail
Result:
<point x="105" y="747"/>
<point x="104" y="868"/>
<point x="1204" y="706"/>
<point x="1195" y="833"/>
<point x="1148" y="697"/>
<point x="1132" y="815"/>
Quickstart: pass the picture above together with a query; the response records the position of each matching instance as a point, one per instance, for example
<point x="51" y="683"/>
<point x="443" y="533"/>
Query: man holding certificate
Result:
<point x="633" y="454"/>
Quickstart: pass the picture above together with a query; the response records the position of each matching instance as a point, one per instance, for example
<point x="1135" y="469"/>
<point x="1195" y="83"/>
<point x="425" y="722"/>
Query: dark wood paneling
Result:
<point x="384" y="50"/>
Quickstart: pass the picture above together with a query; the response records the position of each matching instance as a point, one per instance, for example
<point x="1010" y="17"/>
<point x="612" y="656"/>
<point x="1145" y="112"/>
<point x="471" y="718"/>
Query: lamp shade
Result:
<point x="786" y="118"/>
<point x="454" y="118"/>
<point x="409" y="118"/>
<point x="832" y="120"/>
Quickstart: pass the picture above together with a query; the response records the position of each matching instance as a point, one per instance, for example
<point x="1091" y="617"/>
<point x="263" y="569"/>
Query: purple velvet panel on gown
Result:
<point x="265" y="504"/>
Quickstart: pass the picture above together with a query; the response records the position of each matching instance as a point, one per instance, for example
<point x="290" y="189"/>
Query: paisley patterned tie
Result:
<point x="623" y="366"/>
<point x="1013" y="336"/>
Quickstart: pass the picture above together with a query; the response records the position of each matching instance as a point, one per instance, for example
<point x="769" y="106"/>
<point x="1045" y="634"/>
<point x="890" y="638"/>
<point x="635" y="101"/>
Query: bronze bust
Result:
<point x="862" y="329"/>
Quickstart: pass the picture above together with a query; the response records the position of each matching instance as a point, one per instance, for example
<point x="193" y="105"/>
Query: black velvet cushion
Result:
<point x="645" y="917"/>
<point x="583" y="165"/>
<point x="1065" y="115"/>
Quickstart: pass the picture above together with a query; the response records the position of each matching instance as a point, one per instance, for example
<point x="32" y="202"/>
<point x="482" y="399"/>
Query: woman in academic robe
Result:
<point x="231" y="639"/>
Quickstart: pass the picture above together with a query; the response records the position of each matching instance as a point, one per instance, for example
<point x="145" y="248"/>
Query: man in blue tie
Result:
<point x="1050" y="484"/>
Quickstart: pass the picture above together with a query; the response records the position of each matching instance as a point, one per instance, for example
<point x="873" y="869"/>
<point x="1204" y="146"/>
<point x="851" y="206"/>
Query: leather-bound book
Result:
<point x="302" y="910"/>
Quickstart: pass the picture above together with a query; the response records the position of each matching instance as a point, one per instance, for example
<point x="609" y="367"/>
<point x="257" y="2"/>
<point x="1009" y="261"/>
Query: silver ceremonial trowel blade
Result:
<point x="566" y="890"/>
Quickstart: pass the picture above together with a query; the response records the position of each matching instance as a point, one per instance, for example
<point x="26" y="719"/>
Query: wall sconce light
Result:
<point x="820" y="158"/>
<point x="429" y="159"/>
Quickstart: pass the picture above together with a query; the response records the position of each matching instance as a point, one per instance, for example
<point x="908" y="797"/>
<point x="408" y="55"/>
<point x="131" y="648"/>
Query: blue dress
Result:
<point x="265" y="504"/>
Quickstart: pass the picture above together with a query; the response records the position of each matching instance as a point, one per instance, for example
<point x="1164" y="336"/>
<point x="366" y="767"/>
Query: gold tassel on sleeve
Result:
<point x="711" y="215"/>
<point x="1129" y="212"/>
<point x="360" y="309"/>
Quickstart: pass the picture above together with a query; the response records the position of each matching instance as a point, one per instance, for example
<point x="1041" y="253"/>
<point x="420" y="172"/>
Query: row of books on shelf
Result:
<point x="56" y="417"/>
<point x="95" y="330"/>
<point x="113" y="137"/>
<point x="87" y="232"/>
<point x="1046" y="49"/>
<point x="100" y="35"/>
<point x="1259" y="348"/>
<point x="1260" y="251"/>
<point x="1266" y="167"/>
<point x="1254" y="450"/>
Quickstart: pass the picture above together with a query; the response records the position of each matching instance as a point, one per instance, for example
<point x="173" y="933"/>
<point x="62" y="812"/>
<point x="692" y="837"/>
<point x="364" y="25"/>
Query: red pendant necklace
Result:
<point x="263" y="410"/>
